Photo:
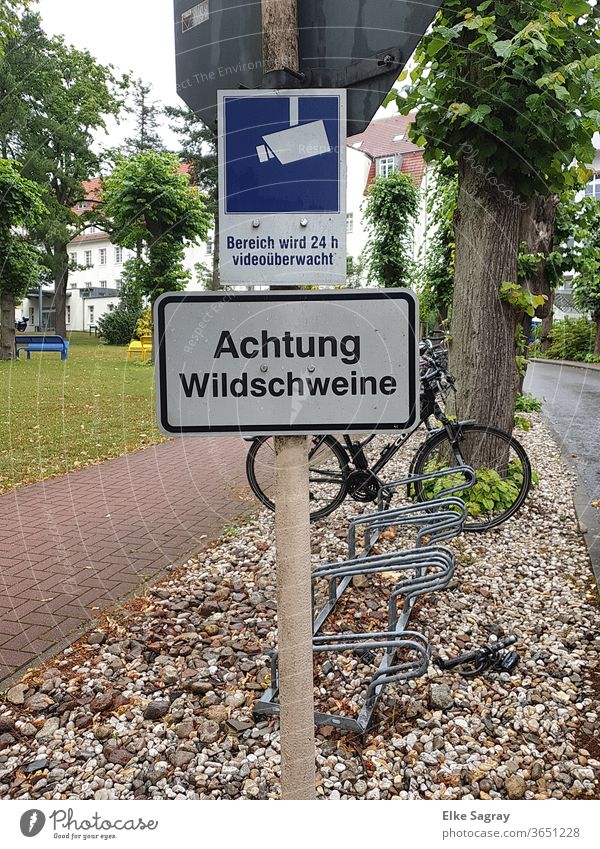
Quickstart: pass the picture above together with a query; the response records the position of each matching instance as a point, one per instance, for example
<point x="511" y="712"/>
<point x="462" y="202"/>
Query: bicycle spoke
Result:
<point x="327" y="479"/>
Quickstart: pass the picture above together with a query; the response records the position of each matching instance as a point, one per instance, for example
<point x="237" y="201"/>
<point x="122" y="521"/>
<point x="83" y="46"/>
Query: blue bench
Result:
<point x="41" y="343"/>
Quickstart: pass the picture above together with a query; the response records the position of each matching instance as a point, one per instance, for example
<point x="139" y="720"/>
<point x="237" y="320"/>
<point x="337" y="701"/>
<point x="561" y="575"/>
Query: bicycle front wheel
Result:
<point x="502" y="466"/>
<point x="327" y="473"/>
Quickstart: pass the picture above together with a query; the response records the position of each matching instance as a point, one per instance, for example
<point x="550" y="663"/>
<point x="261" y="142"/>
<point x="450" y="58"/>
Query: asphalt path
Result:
<point x="571" y="398"/>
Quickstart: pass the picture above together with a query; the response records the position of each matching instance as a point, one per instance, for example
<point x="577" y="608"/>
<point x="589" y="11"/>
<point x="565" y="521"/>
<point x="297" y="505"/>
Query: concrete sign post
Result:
<point x="282" y="179"/>
<point x="287" y="363"/>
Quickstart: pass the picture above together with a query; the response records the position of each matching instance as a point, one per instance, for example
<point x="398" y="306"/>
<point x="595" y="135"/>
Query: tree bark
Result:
<point x="216" y="275"/>
<point x="61" y="278"/>
<point x="7" y="326"/>
<point x="537" y="232"/>
<point x="280" y="42"/>
<point x="482" y="356"/>
<point x="546" y="333"/>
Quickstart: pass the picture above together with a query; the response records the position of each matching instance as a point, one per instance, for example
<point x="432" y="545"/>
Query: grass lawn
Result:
<point x="58" y="416"/>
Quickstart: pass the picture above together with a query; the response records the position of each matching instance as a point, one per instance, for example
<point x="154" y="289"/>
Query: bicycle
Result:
<point x="339" y="470"/>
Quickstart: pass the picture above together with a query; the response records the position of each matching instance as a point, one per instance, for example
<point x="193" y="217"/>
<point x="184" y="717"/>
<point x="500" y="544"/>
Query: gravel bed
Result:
<point x="157" y="703"/>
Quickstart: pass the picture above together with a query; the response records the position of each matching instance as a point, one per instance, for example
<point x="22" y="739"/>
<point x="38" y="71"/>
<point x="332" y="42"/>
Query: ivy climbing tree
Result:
<point x="436" y="260"/>
<point x="511" y="91"/>
<point x="390" y="212"/>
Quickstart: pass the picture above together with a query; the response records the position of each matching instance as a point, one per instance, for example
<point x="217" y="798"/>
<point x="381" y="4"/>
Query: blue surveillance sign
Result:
<point x="282" y="187"/>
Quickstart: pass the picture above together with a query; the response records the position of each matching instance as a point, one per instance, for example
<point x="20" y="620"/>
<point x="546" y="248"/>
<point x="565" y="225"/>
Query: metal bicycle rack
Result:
<point x="424" y="569"/>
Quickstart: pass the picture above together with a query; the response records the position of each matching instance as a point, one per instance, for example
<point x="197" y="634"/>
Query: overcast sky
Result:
<point x="132" y="35"/>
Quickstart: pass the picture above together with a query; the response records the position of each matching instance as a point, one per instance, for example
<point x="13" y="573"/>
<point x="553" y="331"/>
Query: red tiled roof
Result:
<point x="378" y="139"/>
<point x="99" y="236"/>
<point x="92" y="189"/>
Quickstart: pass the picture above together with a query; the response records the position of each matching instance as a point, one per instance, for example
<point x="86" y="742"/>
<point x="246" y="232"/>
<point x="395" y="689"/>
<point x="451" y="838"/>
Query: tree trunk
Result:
<point x="280" y="43"/>
<point x="597" y="342"/>
<point x="61" y="277"/>
<point x="216" y="275"/>
<point x="7" y="326"/>
<point x="482" y="356"/>
<point x="546" y="334"/>
<point x="537" y="232"/>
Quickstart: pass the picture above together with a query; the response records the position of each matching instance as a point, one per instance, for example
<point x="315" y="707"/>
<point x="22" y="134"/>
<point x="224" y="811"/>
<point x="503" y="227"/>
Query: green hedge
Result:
<point x="572" y="339"/>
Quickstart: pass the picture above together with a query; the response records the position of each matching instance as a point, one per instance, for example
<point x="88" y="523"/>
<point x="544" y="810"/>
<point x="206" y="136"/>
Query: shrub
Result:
<point x="522" y="423"/>
<point x="572" y="339"/>
<point x="488" y="495"/>
<point x="118" y="327"/>
<point x="527" y="404"/>
<point x="144" y="324"/>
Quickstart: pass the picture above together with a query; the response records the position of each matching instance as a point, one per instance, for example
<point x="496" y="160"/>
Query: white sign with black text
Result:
<point x="288" y="362"/>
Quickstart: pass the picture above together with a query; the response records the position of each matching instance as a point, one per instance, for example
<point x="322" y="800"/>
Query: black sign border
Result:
<point x="266" y="297"/>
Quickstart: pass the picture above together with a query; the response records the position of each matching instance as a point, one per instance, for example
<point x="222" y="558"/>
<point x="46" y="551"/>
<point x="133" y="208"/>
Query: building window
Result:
<point x="350" y="222"/>
<point x="118" y="256"/>
<point x="111" y="307"/>
<point x="68" y="314"/>
<point x="88" y="258"/>
<point x="102" y="256"/>
<point x="103" y="284"/>
<point x="83" y="205"/>
<point x="118" y="284"/>
<point x="386" y="165"/>
<point x="91" y="229"/>
<point x="91" y="314"/>
<point x="73" y="284"/>
<point x="32" y="315"/>
<point x="593" y="187"/>
<point x="73" y="257"/>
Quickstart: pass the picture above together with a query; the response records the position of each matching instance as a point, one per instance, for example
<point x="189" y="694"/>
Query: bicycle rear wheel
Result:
<point x="327" y="467"/>
<point x="502" y="466"/>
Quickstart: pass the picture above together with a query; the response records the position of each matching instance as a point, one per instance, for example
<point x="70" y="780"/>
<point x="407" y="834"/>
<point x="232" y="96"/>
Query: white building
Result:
<point x="93" y="286"/>
<point x="380" y="150"/>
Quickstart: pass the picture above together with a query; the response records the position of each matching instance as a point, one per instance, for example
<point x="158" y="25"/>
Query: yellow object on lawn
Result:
<point x="146" y="342"/>
<point x="135" y="347"/>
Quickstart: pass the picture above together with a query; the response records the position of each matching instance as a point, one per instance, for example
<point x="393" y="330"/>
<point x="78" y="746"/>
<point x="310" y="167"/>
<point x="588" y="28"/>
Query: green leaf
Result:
<point x="478" y="114"/>
<point x="460" y="108"/>
<point x="502" y="48"/>
<point x="578" y="8"/>
<point x="435" y="45"/>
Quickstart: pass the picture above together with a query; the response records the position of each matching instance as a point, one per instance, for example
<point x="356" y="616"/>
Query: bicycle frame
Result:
<point x="429" y="408"/>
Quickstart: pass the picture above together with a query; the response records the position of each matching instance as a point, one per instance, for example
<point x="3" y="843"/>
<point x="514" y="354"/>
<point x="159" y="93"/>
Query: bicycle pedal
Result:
<point x="507" y="661"/>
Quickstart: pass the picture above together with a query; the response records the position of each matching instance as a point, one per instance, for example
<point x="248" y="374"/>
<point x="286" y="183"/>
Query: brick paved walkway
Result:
<point x="74" y="545"/>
